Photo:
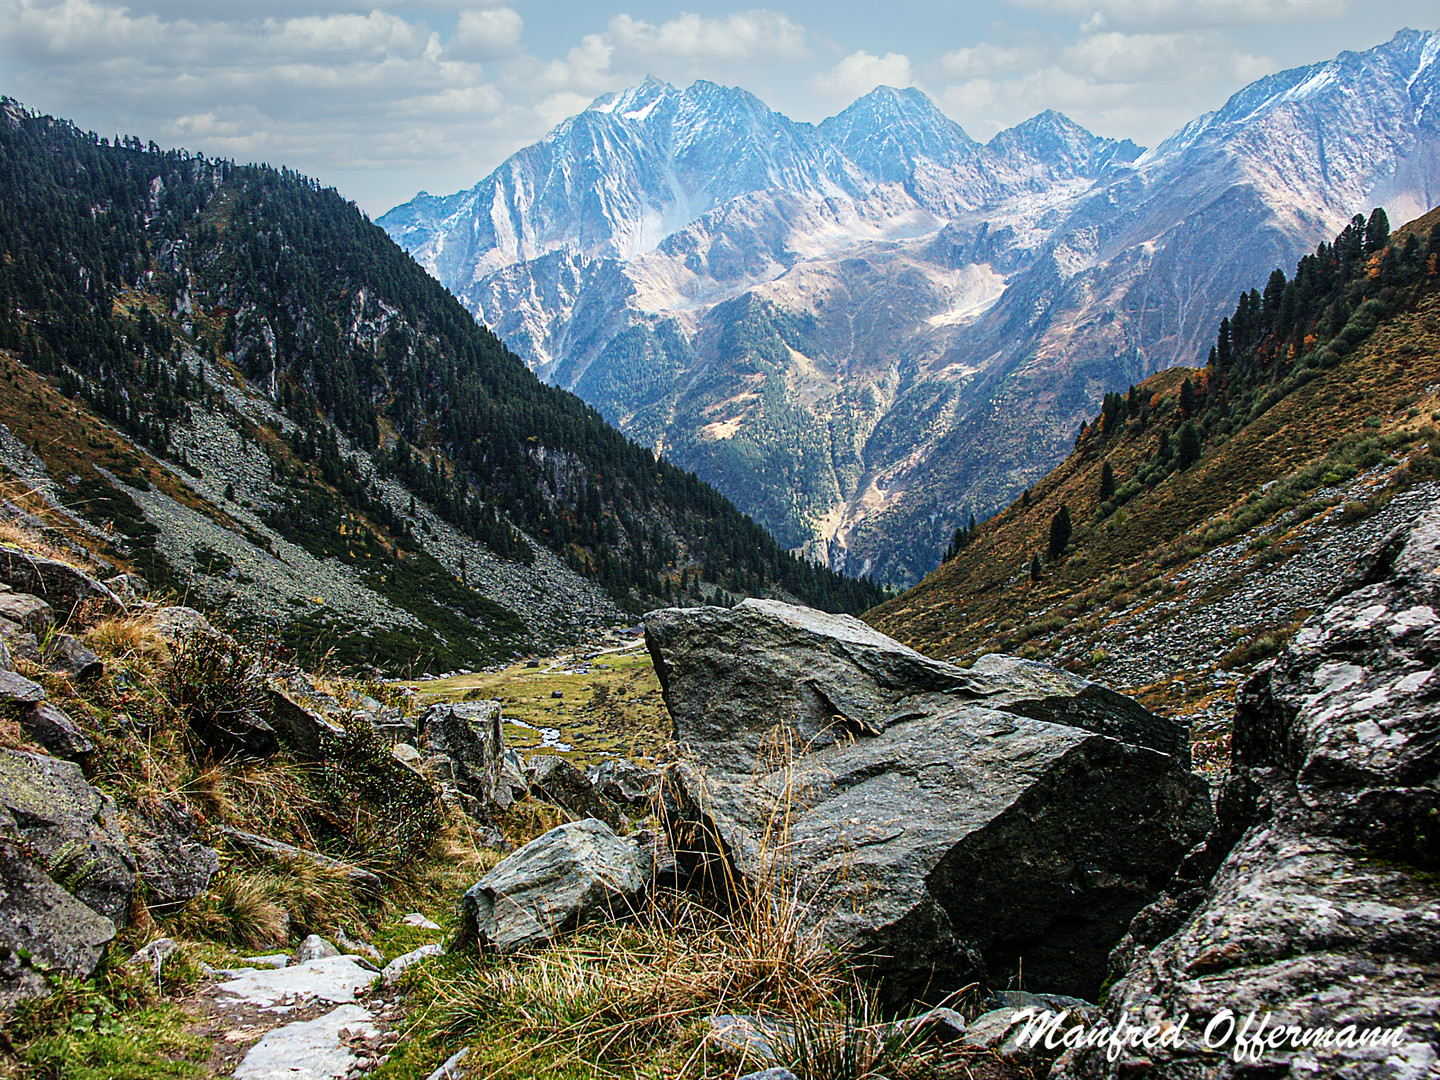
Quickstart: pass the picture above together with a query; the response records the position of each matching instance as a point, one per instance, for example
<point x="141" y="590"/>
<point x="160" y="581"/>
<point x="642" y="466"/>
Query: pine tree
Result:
<point x="1107" y="483"/>
<point x="1377" y="231"/>
<point x="1187" y="399"/>
<point x="1035" y="567"/>
<point x="1189" y="451"/>
<point x="1060" y="529"/>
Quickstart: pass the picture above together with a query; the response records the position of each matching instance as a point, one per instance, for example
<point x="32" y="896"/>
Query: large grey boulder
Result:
<point x="469" y="734"/>
<point x="174" y="865"/>
<point x="575" y="873"/>
<point x="732" y="676"/>
<point x="41" y="920"/>
<point x="1315" y="900"/>
<point x="74" y="829"/>
<point x="942" y="826"/>
<point x="62" y="585"/>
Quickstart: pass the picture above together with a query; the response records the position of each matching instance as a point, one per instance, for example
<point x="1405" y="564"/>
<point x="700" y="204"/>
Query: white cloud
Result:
<point x="1187" y="14"/>
<point x="486" y="34"/>
<point x="861" y="72"/>
<point x="1141" y="85"/>
<point x="742" y="38"/>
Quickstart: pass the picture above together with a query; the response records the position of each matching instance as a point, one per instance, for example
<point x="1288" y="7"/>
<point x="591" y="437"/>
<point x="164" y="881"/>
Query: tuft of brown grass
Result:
<point x="240" y="909"/>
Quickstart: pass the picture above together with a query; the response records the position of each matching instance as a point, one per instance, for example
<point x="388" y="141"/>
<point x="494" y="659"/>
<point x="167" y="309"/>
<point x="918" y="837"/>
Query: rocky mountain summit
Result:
<point x="863" y="330"/>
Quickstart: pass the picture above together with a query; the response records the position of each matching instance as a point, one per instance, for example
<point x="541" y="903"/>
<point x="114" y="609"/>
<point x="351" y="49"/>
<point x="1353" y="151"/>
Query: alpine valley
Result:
<point x="865" y="330"/>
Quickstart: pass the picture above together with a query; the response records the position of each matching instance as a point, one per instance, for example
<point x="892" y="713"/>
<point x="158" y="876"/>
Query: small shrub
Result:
<point x="240" y="909"/>
<point x="212" y="685"/>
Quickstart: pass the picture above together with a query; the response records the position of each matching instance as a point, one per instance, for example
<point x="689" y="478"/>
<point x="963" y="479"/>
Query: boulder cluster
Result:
<point x="70" y="870"/>
<point x="1000" y="825"/>
<point x="946" y="827"/>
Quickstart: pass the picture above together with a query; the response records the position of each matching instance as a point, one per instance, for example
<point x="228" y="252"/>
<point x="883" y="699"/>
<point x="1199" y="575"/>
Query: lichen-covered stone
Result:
<point x="75" y="829"/>
<point x="1315" y="900"/>
<point x="573" y="874"/>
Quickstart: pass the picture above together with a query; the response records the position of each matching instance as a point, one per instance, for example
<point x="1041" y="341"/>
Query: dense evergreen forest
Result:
<point x="292" y="285"/>
<point x="1276" y="341"/>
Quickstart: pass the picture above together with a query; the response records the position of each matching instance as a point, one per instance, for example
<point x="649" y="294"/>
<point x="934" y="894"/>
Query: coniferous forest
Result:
<point x="382" y="372"/>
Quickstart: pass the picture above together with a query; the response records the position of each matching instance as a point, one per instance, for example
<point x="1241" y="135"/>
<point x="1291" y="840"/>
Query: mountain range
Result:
<point x="865" y="330"/>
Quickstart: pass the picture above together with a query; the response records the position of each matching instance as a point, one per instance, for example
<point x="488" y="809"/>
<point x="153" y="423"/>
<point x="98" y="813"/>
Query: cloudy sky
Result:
<point x="382" y="101"/>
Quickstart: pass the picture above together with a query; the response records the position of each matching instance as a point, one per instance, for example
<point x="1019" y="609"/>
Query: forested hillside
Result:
<point x="1204" y="512"/>
<point x="161" y="291"/>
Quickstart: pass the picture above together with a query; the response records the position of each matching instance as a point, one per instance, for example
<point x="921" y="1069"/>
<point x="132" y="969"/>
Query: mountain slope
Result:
<point x="1314" y="435"/>
<point x="271" y="405"/>
<point x="967" y="305"/>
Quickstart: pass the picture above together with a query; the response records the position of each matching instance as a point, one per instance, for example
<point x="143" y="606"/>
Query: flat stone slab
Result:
<point x="309" y="1049"/>
<point x="331" y="978"/>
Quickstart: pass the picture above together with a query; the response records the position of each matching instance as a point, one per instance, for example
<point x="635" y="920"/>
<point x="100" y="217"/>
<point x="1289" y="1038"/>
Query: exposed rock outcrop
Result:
<point x="469" y="735"/>
<point x="573" y="874"/>
<point x="942" y="825"/>
<point x="69" y="656"/>
<point x="42" y="919"/>
<point x="557" y="781"/>
<point x="731" y="675"/>
<point x="173" y="864"/>
<point x="71" y="827"/>
<point x="1324" y="909"/>
<point x="53" y="729"/>
<point x="61" y="585"/>
<point x="624" y="783"/>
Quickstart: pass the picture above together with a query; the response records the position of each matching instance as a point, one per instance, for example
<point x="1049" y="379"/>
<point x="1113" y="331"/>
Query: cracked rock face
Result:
<point x="469" y="734"/>
<point x="47" y="804"/>
<point x="1320" y="905"/>
<point x="942" y="825"/>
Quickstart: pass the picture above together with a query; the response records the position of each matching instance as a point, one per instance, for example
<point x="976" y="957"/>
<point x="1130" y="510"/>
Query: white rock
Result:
<point x="308" y="1050"/>
<point x="416" y="919"/>
<point x="451" y="1069"/>
<point x="400" y="964"/>
<point x="331" y="978"/>
<point x="314" y="947"/>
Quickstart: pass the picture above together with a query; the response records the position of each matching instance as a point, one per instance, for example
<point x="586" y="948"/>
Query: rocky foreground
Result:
<point x="972" y="843"/>
<point x="948" y="827"/>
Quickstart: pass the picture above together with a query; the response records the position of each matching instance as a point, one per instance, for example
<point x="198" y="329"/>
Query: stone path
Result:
<point x="329" y="1018"/>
